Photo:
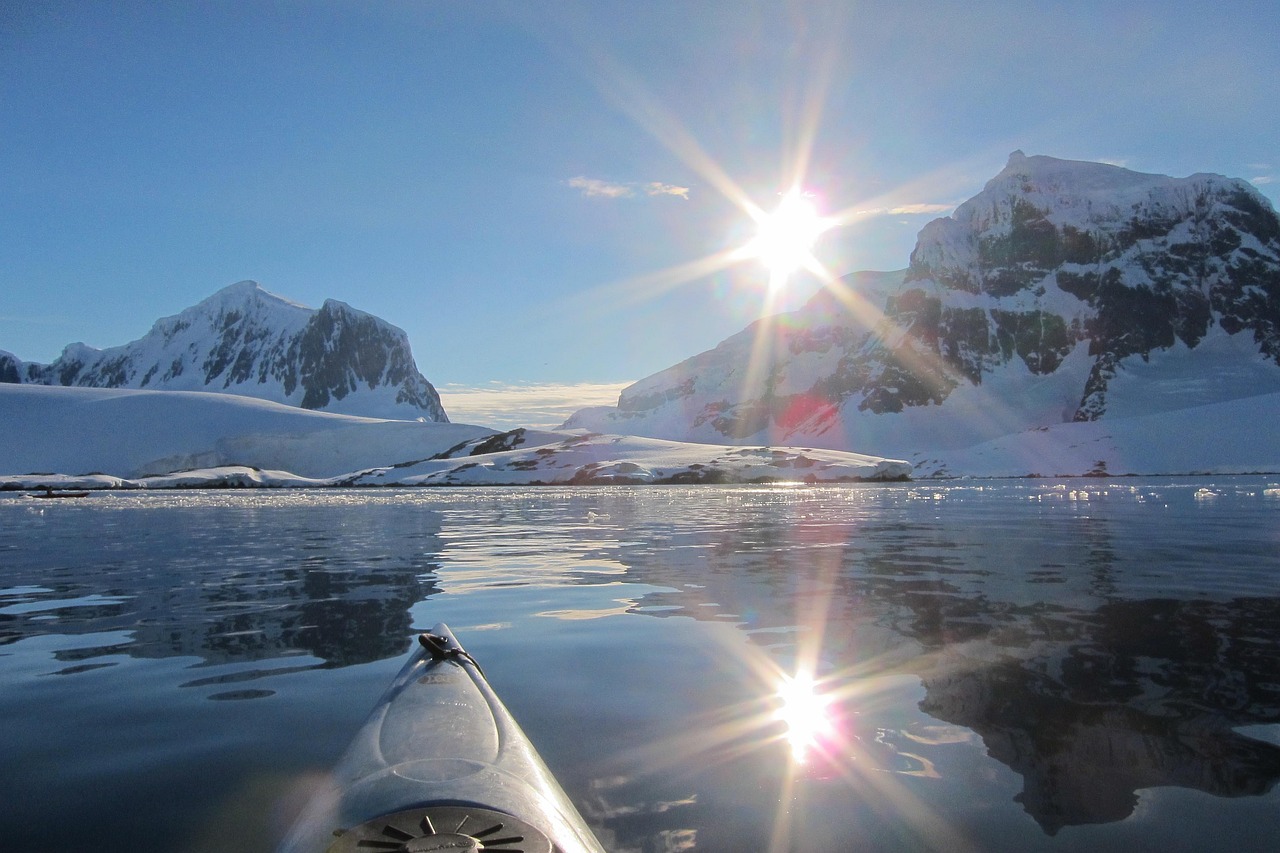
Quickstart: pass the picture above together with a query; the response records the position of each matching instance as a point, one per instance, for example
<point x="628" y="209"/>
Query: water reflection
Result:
<point x="1092" y="653"/>
<point x="949" y="649"/>
<point x="1092" y="707"/>
<point x="221" y="583"/>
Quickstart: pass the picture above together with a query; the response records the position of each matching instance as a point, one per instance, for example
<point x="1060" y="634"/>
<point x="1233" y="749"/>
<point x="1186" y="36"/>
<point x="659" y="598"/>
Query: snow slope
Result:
<point x="56" y="437"/>
<point x="594" y="459"/>
<point x="128" y="433"/>
<point x="1235" y="437"/>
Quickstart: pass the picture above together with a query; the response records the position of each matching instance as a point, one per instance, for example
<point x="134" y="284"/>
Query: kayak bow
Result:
<point x="440" y="764"/>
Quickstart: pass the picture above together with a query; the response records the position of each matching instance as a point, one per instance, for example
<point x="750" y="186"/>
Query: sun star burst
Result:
<point x="786" y="236"/>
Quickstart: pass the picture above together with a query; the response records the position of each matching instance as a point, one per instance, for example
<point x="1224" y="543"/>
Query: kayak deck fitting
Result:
<point x="440" y="764"/>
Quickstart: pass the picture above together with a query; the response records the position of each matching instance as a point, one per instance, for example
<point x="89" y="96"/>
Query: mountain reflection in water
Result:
<point x="1089" y="708"/>
<point x="1090" y="695"/>
<point x="262" y="582"/>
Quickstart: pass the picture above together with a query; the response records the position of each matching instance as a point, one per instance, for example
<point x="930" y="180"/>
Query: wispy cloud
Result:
<point x="1264" y="173"/>
<point x="917" y="209"/>
<point x="656" y="188"/>
<point x="509" y="405"/>
<point x="596" y="188"/>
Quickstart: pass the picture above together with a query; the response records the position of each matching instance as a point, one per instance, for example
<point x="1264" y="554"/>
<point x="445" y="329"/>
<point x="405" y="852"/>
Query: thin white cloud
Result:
<point x="538" y="406"/>
<point x="657" y="188"/>
<point x="596" y="188"/>
<point x="1263" y="180"/>
<point x="917" y="209"/>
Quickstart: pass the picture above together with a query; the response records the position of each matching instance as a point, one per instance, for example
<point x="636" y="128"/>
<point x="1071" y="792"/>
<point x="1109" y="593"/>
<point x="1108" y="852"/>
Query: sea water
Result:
<point x="970" y="665"/>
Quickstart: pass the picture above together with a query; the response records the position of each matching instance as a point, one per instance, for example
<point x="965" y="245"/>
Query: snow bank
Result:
<point x="131" y="434"/>
<point x="1235" y="437"/>
<point x="593" y="459"/>
<point x="90" y="438"/>
<point x="230" y="477"/>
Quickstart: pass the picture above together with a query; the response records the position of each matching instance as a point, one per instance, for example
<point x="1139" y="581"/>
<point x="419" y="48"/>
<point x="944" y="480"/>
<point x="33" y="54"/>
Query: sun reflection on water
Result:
<point x="806" y="713"/>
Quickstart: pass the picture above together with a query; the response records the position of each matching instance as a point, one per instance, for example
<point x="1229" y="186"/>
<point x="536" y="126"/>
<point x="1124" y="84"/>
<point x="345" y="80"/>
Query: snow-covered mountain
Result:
<point x="246" y="341"/>
<point x="1064" y="292"/>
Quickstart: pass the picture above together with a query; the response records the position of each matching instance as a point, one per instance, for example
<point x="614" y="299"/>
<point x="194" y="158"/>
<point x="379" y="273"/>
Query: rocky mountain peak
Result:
<point x="1128" y="262"/>
<point x="1042" y="212"/>
<point x="246" y="340"/>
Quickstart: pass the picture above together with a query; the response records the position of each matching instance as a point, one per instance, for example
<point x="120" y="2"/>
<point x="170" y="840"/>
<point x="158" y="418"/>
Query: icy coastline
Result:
<point x="88" y="438"/>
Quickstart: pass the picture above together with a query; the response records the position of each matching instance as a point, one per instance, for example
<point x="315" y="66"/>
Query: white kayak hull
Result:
<point x="440" y="764"/>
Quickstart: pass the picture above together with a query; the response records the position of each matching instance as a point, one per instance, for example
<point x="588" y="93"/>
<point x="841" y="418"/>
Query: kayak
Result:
<point x="440" y="764"/>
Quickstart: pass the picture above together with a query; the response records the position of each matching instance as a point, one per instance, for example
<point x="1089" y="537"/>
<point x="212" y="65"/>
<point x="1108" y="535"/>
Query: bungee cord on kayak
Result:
<point x="441" y="649"/>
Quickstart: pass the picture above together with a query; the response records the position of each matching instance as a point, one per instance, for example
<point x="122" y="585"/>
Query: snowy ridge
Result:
<point x="64" y="438"/>
<point x="244" y="340"/>
<point x="129" y="433"/>
<point x="1064" y="291"/>
<point x="593" y="459"/>
<point x="1068" y="194"/>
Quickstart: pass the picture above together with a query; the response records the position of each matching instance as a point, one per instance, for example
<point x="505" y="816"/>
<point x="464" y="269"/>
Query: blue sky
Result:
<point x="508" y="181"/>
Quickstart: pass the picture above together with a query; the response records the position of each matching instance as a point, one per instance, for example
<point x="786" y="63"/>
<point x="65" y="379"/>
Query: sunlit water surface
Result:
<point x="1011" y="665"/>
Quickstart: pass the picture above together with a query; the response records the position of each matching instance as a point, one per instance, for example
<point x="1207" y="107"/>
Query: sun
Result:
<point x="785" y="238"/>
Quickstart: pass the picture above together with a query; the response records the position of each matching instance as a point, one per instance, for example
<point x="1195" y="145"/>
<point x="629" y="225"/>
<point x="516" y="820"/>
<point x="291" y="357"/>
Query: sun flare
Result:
<point x="785" y="238"/>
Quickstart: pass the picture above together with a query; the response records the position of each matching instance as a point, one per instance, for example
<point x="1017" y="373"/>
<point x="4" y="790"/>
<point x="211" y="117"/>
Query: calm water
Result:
<point x="1013" y="665"/>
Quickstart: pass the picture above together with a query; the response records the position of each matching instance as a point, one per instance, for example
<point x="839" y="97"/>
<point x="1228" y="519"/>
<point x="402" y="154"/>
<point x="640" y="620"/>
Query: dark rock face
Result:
<point x="243" y="340"/>
<point x="342" y="350"/>
<point x="10" y="368"/>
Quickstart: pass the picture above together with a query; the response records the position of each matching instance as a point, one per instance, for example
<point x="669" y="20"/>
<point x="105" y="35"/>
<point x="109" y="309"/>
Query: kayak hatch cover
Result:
<point x="440" y="764"/>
